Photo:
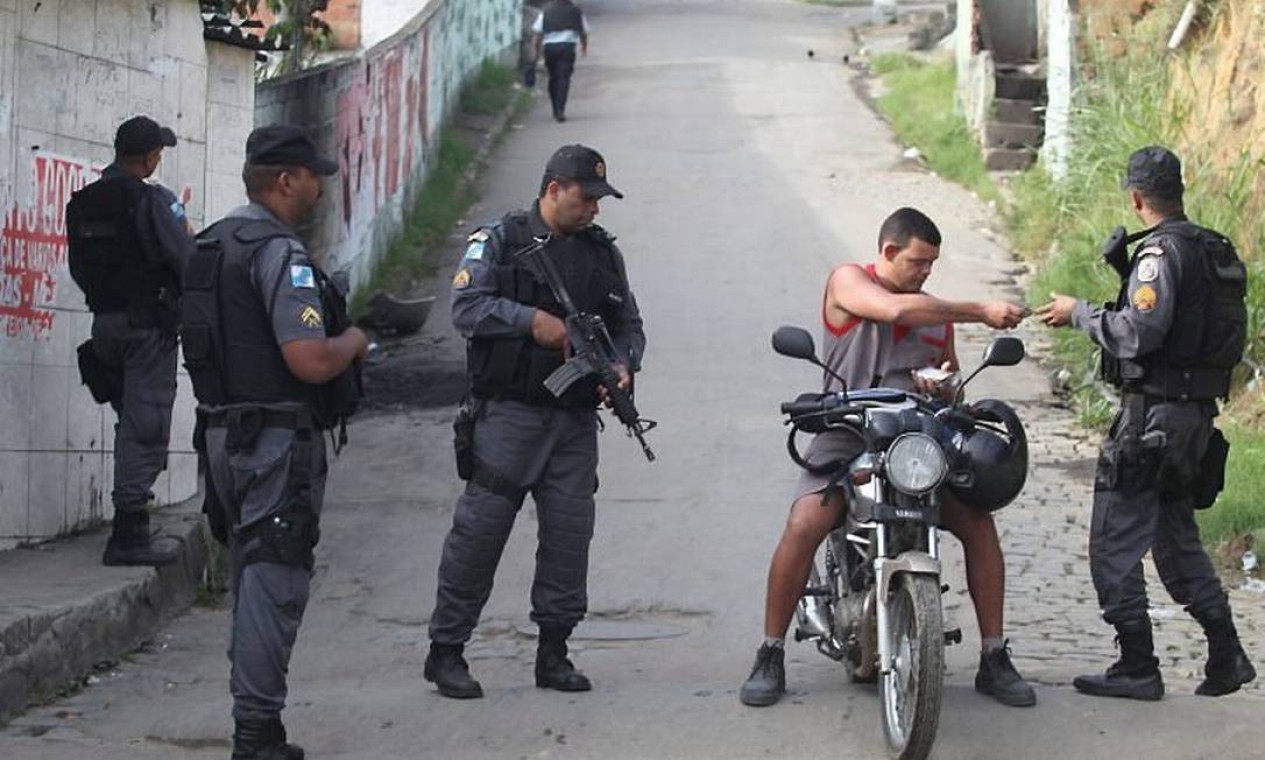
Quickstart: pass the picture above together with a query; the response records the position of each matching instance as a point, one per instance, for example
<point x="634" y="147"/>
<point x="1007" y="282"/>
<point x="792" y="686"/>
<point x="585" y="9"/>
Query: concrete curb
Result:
<point x="65" y="612"/>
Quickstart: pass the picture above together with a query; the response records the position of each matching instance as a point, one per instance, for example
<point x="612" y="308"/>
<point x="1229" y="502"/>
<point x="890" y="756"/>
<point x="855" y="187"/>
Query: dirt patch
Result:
<point x="416" y="373"/>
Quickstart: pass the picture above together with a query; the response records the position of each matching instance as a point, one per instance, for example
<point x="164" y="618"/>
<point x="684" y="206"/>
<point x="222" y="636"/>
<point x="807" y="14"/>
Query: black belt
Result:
<point x="297" y="419"/>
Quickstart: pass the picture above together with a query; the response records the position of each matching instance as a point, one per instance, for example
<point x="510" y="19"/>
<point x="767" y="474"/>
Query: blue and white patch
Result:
<point x="177" y="210"/>
<point x="474" y="252"/>
<point x="302" y="277"/>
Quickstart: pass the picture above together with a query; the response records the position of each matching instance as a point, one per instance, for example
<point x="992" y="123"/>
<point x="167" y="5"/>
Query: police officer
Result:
<point x="560" y="28"/>
<point x="525" y="440"/>
<point x="1169" y="342"/>
<point x="128" y="240"/>
<point x="267" y="352"/>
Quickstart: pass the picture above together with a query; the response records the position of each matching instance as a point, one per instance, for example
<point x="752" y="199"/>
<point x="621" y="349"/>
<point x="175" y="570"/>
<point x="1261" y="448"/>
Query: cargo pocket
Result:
<point x="261" y="475"/>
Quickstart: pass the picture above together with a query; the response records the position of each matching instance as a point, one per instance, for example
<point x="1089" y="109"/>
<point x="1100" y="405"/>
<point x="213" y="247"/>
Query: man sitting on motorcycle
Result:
<point x="879" y="328"/>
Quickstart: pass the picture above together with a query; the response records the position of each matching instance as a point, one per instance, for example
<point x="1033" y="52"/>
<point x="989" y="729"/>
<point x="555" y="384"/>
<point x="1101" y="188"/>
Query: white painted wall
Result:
<point x="70" y="72"/>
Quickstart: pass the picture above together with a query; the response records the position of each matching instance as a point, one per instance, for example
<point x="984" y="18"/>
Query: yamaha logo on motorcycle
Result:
<point x="874" y="604"/>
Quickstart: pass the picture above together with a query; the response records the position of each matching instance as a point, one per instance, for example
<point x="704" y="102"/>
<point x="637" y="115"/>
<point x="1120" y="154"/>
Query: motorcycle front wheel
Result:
<point x="911" y="689"/>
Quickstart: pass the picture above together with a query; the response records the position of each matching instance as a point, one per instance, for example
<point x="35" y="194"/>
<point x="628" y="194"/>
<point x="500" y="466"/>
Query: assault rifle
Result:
<point x="593" y="352"/>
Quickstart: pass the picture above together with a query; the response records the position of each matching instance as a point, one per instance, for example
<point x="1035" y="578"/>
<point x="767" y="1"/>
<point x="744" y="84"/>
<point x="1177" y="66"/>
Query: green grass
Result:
<point x="214" y="587"/>
<point x="918" y="101"/>
<point x="1123" y="103"/>
<point x="445" y="196"/>
<point x="1239" y="509"/>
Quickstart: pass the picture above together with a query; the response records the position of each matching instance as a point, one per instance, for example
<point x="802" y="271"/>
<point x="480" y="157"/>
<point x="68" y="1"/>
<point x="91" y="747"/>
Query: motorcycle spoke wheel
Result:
<point x="912" y="688"/>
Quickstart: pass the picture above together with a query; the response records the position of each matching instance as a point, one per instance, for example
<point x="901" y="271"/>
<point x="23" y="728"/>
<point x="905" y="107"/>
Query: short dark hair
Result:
<point x="907" y="223"/>
<point x="1164" y="204"/>
<point x="562" y="181"/>
<point x="259" y="178"/>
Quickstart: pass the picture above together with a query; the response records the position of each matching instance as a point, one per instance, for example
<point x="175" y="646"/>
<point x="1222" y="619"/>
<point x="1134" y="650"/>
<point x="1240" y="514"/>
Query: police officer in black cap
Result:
<point x="526" y="440"/>
<point x="1169" y="342"/>
<point x="272" y="361"/>
<point x="128" y="240"/>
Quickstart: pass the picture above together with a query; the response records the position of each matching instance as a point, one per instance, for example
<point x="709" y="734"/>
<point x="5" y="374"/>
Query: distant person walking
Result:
<point x="560" y="28"/>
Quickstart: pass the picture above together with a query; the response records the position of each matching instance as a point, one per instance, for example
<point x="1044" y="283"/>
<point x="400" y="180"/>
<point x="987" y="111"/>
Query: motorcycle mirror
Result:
<point x="1004" y="351"/>
<point x="794" y="342"/>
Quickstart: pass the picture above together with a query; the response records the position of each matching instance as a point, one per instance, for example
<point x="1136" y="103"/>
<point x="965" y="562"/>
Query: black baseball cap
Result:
<point x="1156" y="170"/>
<point x="286" y="145"/>
<point x="141" y="134"/>
<point x="584" y="165"/>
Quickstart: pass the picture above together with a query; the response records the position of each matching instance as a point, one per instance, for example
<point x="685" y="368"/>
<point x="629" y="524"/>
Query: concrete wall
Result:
<point x="1011" y="29"/>
<point x="379" y="116"/>
<point x="70" y="72"/>
<point x="1060" y="26"/>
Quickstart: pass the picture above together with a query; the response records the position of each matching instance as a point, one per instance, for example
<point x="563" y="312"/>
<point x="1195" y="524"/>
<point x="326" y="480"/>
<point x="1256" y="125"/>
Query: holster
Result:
<point x="1211" y="478"/>
<point x="104" y="380"/>
<point x="288" y="537"/>
<point x="216" y="518"/>
<point x="463" y="436"/>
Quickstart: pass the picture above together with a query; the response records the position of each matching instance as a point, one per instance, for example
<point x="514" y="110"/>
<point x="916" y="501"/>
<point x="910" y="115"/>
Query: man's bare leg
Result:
<point x="811" y="518"/>
<point x="986" y="581"/>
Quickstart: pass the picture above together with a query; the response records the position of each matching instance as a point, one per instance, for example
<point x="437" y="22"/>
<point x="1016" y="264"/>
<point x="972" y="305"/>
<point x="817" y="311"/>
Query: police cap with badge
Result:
<point x="582" y="164"/>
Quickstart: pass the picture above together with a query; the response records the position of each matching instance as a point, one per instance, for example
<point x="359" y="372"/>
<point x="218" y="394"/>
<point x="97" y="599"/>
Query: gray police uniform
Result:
<point x="144" y="352"/>
<point x="525" y="441"/>
<point x="260" y="483"/>
<point x="1150" y="457"/>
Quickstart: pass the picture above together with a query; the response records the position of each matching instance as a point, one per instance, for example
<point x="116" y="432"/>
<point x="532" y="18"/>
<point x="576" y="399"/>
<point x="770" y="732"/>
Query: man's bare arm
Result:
<point x="852" y="292"/>
<point x="322" y="359"/>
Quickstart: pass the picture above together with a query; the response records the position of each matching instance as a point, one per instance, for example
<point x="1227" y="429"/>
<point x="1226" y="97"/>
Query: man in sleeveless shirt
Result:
<point x="879" y="328"/>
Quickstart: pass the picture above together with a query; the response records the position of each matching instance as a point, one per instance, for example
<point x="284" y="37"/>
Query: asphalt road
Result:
<point x="750" y="171"/>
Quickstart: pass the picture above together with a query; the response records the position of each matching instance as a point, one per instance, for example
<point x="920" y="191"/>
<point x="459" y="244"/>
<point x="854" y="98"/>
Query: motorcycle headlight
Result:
<point x="915" y="464"/>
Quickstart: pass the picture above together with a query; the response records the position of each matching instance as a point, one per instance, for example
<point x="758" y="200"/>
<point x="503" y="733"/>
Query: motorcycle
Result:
<point x="874" y="605"/>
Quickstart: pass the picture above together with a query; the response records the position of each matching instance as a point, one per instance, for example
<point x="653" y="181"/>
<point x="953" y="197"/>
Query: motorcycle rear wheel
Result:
<point x="911" y="690"/>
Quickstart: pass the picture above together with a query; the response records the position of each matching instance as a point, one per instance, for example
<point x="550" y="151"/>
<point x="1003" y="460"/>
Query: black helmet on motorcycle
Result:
<point x="988" y="467"/>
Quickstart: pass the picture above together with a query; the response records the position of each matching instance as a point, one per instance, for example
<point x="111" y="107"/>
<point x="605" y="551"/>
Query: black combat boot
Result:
<point x="1136" y="675"/>
<point x="1228" y="667"/>
<point x="998" y="678"/>
<point x="767" y="681"/>
<point x="447" y="669"/>
<point x="553" y="669"/>
<point x="262" y="739"/>
<point x="131" y="543"/>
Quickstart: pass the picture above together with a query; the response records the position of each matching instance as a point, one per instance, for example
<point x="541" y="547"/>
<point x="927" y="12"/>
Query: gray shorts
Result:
<point x="831" y="446"/>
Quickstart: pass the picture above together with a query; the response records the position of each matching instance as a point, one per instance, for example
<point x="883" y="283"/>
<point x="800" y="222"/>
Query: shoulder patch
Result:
<point x="1144" y="298"/>
<point x="1151" y="250"/>
<point x="1148" y="269"/>
<point x="474" y="251"/>
<point x="177" y="210"/>
<point x="302" y="276"/>
<point x="462" y="279"/>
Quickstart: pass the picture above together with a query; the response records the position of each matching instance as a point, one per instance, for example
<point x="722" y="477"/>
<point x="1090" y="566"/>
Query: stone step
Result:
<point x="1016" y="111"/>
<point x="998" y="135"/>
<point x="1008" y="159"/>
<point x="1020" y="86"/>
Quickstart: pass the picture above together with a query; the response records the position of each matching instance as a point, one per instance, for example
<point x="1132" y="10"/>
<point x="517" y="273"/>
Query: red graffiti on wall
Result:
<point x="33" y="248"/>
<point x="392" y="73"/>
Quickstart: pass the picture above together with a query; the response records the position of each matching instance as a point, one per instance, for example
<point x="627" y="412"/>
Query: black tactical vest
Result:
<point x="230" y="349"/>
<point x="111" y="260"/>
<point x="1209" y="330"/>
<point x="561" y="15"/>
<point x="516" y="368"/>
